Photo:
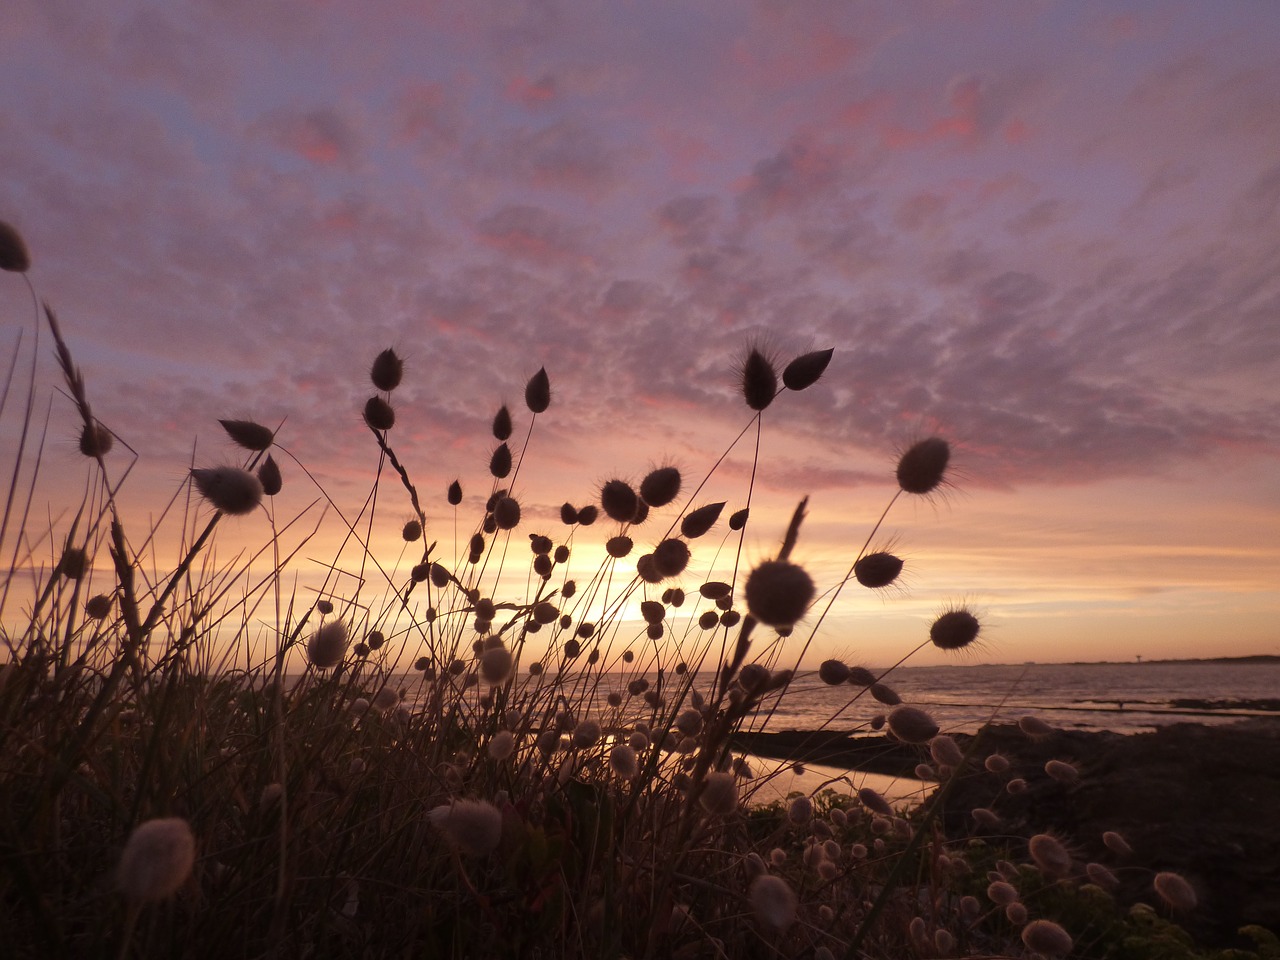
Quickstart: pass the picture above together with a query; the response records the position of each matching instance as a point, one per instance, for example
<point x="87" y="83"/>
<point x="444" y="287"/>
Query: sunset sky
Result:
<point x="1048" y="230"/>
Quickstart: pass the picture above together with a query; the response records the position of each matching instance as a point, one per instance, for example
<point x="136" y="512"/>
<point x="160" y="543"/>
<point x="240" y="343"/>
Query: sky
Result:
<point x="1047" y="231"/>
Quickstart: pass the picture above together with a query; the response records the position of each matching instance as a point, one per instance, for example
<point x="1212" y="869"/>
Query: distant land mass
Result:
<point x="1250" y="660"/>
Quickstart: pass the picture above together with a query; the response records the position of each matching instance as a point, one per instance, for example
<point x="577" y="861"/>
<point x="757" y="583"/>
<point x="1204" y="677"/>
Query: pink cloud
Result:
<point x="322" y="136"/>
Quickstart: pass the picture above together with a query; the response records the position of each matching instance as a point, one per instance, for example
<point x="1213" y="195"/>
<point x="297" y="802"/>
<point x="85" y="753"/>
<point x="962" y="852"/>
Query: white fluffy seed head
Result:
<point x="912" y="725"/>
<point x="386" y="699"/>
<point x="472" y="827"/>
<point x="773" y="901"/>
<point x="1001" y="893"/>
<point x="945" y="750"/>
<point x="622" y="758"/>
<point x="1049" y="855"/>
<point x="496" y="665"/>
<point x="157" y="859"/>
<point x="800" y="810"/>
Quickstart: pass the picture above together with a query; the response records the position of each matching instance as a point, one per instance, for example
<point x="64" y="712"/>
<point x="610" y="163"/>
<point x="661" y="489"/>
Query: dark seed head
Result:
<point x="670" y="557"/>
<point x="587" y="515"/>
<point x="455" y="493"/>
<point x="269" y="476"/>
<point x="759" y="380"/>
<point x="833" y="672"/>
<point x="568" y="514"/>
<point x="439" y="576"/>
<point x="805" y="370"/>
<point x="924" y="465"/>
<point x="98" y="606"/>
<point x="652" y="611"/>
<point x="699" y="521"/>
<point x="411" y="532"/>
<point x="954" y="630"/>
<point x="537" y="392"/>
<point x="738" y="519"/>
<point x="877" y="570"/>
<point x="502" y="424"/>
<point x="648" y="570"/>
<point x="778" y="593"/>
<point x="506" y="513"/>
<point x="561" y="555"/>
<point x="642" y="512"/>
<point x="14" y="255"/>
<point x="95" y="440"/>
<point x="618" y="500"/>
<point x="500" y="462"/>
<point x="247" y="434"/>
<point x="618" y="546"/>
<point x="539" y="544"/>
<point x="421" y="571"/>
<point x="660" y="487"/>
<point x="378" y="414"/>
<point x="388" y="370"/>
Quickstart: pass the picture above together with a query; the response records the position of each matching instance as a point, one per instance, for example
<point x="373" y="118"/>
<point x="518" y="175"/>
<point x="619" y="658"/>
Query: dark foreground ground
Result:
<point x="1203" y="801"/>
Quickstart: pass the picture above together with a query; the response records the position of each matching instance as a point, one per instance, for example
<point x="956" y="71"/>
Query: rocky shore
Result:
<point x="1203" y="801"/>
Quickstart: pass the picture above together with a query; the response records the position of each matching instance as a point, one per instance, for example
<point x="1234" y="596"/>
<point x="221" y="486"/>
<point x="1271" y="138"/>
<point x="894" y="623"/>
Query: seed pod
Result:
<point x="569" y="588"/>
<point x="500" y="462"/>
<point x="873" y="801"/>
<point x="420" y="572"/>
<point x="506" y="513"/>
<point x="648" y="570"/>
<point x="455" y="493"/>
<point x="954" y="630"/>
<point x="539" y="544"/>
<point x="655" y="631"/>
<point x="660" y="486"/>
<point x="715" y="589"/>
<point x="502" y="424"/>
<point x="14" y="256"/>
<point x="542" y="565"/>
<point x="730" y="618"/>
<point x="773" y="902"/>
<point x="1049" y="855"/>
<point x="587" y="515"/>
<point x="1117" y="844"/>
<point x="157" y="859"/>
<point x="95" y="440"/>
<point x="805" y="370"/>
<point x="652" y="611"/>
<point x="439" y="576"/>
<point x="922" y="468"/>
<point x="378" y="414"/>
<point x="247" y="434"/>
<point x="411" y="532"/>
<point x="568" y="515"/>
<point x="698" y="522"/>
<point x="98" y="606"/>
<point x="738" y="519"/>
<point x="1046" y="938"/>
<point x="708" y="620"/>
<point x="912" y="725"/>
<point x="1062" y="771"/>
<point x="719" y="793"/>
<point x="387" y="371"/>
<point x="861" y="677"/>
<point x="877" y="570"/>
<point x="375" y="640"/>
<point x="472" y="827"/>
<point x="778" y="593"/>
<point x="885" y="694"/>
<point x="670" y="557"/>
<point x="1002" y="893"/>
<point x="619" y="500"/>
<point x="74" y="563"/>
<point x="496" y="665"/>
<point x="946" y="751"/>
<point x="269" y="476"/>
<point x="833" y="672"/>
<point x="229" y="489"/>
<point x="327" y="645"/>
<point x="759" y="380"/>
<point x="537" y="392"/>
<point x="1034" y="727"/>
<point x="618" y="546"/>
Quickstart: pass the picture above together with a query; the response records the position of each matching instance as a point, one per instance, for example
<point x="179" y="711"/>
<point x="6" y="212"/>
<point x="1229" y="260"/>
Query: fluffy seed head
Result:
<point x="885" y="694"/>
<point x="1016" y="913"/>
<point x="738" y="519"/>
<point x="387" y="371"/>
<point x="778" y="593"/>
<point x="773" y="901"/>
<point x="1049" y="855"/>
<point x="954" y="630"/>
<point x="1001" y="893"/>
<point x="386" y="698"/>
<point x="922" y="468"/>
<point x="14" y="255"/>
<point x="800" y="810"/>
<point x="719" y="793"/>
<point x="1062" y="771"/>
<point x="759" y="380"/>
<point x="74" y="563"/>
<point x="157" y="859"/>
<point x="1117" y="844"/>
<point x="805" y="369"/>
<point x="833" y="672"/>
<point x="378" y="414"/>
<point x="670" y="557"/>
<point x="496" y="665"/>
<point x="622" y="758"/>
<point x="1046" y="938"/>
<point x="660" y="486"/>
<point x="411" y="532"/>
<point x="996" y="763"/>
<point x="472" y="827"/>
<point x="1034" y="727"/>
<point x="537" y="392"/>
<point x="95" y="440"/>
<point x="455" y="493"/>
<point x="877" y="570"/>
<point x="619" y="546"/>
<point x="269" y="476"/>
<point x="506" y="512"/>
<point x="568" y="514"/>
<point x="1175" y="891"/>
<point x="229" y="489"/>
<point x="502" y="424"/>
<point x="247" y="434"/>
<point x="500" y="462"/>
<point x="1100" y="875"/>
<point x="873" y="801"/>
<point x="98" y="606"/>
<point x="619" y="500"/>
<point x="502" y="745"/>
<point x="327" y="645"/>
<point x="912" y="725"/>
<point x="945" y="750"/>
<point x="697" y="522"/>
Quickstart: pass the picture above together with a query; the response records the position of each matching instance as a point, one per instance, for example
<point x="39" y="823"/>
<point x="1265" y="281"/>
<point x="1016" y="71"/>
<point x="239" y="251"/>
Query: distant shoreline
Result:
<point x="1251" y="660"/>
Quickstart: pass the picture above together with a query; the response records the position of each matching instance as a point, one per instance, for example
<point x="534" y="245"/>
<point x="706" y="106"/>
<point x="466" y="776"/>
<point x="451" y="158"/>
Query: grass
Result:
<point x="459" y="751"/>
